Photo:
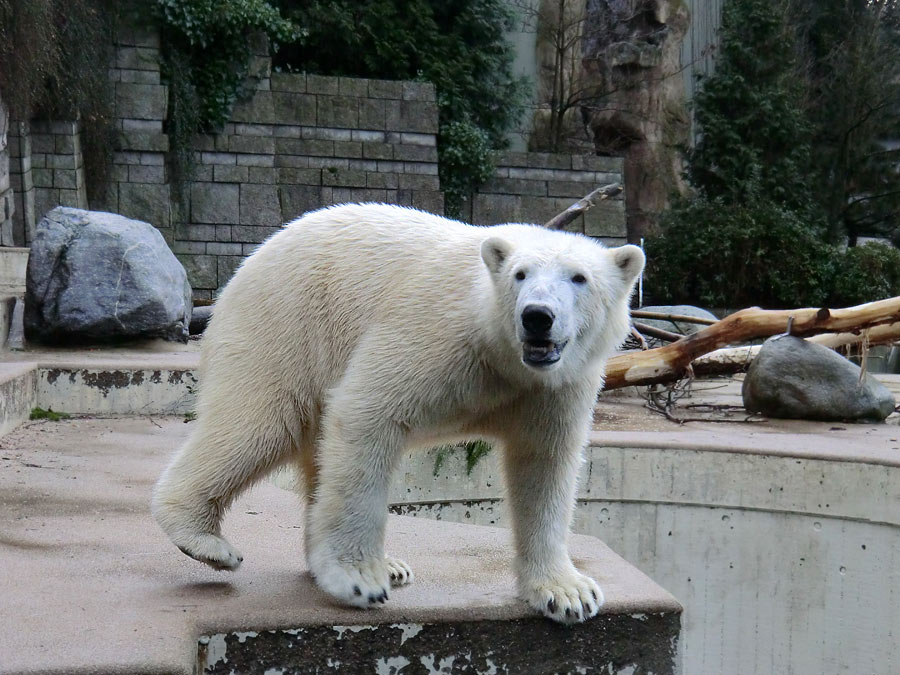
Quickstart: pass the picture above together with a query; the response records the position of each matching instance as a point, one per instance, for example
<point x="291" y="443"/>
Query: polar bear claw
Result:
<point x="572" y="598"/>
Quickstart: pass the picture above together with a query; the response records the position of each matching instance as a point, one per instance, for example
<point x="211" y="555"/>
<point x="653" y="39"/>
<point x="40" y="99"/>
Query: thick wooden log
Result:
<point x="668" y="363"/>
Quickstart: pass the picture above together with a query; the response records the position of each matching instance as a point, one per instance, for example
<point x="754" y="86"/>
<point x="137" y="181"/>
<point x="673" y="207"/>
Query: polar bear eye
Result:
<point x="578" y="279"/>
<point x="520" y="275"/>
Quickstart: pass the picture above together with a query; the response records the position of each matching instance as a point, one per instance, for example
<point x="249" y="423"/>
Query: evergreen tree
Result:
<point x="854" y="55"/>
<point x="754" y="136"/>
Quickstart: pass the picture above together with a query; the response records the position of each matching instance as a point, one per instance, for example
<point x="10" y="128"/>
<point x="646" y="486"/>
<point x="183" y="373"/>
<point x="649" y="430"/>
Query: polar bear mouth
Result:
<point x="541" y="353"/>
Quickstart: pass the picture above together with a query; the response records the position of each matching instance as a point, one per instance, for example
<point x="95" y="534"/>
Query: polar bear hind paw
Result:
<point x="399" y="572"/>
<point x="364" y="584"/>
<point x="212" y="550"/>
<point x="570" y="599"/>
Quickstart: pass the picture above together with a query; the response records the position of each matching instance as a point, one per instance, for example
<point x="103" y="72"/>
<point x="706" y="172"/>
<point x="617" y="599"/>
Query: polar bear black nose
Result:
<point x="537" y="320"/>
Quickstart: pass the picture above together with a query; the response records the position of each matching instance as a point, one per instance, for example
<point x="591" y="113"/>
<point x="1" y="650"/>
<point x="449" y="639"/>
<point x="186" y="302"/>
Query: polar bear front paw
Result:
<point x="568" y="599"/>
<point x="364" y="584"/>
<point x="212" y="550"/>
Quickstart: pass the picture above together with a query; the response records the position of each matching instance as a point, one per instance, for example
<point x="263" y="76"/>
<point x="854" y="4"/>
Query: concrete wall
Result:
<point x="784" y="564"/>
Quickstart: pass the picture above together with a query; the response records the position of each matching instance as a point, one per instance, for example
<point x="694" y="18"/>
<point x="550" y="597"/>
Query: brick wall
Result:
<point x="301" y="142"/>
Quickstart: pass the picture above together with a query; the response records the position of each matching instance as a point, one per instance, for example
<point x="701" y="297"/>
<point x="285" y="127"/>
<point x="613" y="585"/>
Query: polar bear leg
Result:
<point x="205" y="477"/>
<point x="346" y="522"/>
<point x="541" y="468"/>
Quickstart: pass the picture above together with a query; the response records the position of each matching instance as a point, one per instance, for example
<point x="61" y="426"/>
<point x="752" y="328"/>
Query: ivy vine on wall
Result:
<point x="205" y="59"/>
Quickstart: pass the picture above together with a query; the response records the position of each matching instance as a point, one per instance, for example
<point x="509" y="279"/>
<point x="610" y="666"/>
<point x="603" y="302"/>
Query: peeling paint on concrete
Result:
<point x="136" y="392"/>
<point x="216" y="650"/>
<point x="443" y="667"/>
<point x="407" y="630"/>
<point x="392" y="665"/>
<point x="353" y="629"/>
<point x="242" y="637"/>
<point x="601" y="646"/>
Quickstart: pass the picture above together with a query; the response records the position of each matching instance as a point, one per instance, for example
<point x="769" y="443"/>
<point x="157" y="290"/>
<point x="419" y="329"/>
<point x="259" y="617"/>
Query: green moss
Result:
<point x="48" y="414"/>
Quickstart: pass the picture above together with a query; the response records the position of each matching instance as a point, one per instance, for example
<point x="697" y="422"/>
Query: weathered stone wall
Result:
<point x="22" y="182"/>
<point x="301" y="142"/>
<point x="57" y="167"/>
<point x="533" y="187"/>
<point x="6" y="195"/>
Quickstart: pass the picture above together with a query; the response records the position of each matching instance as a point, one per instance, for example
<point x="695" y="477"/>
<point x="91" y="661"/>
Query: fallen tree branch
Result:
<point x="736" y="359"/>
<point x="560" y="220"/>
<point x="661" y="316"/>
<point x="658" y="333"/>
<point x="668" y="363"/>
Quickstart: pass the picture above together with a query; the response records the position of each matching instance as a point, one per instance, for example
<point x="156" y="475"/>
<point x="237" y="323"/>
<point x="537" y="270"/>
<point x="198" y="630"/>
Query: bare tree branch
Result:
<point x="560" y="220"/>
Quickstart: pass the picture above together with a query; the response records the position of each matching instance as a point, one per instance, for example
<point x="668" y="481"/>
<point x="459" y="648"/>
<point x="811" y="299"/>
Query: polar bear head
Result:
<point x="563" y="298"/>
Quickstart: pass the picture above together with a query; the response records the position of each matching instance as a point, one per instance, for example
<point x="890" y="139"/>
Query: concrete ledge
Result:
<point x="18" y="385"/>
<point x="150" y="378"/>
<point x="90" y="584"/>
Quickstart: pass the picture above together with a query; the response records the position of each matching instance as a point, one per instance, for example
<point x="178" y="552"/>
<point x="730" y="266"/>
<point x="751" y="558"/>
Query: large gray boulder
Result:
<point x="101" y="277"/>
<point x="795" y="379"/>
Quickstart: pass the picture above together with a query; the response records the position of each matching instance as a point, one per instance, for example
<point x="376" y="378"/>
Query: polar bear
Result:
<point x="358" y="331"/>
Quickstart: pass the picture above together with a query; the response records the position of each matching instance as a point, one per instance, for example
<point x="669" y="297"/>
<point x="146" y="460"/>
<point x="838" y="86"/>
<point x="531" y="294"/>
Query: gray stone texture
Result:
<point x="533" y="187"/>
<point x="215" y="203"/>
<point x="100" y="277"/>
<point x="796" y="379"/>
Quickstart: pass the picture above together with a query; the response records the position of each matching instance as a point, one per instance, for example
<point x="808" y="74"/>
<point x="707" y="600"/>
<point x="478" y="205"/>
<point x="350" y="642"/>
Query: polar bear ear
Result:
<point x="629" y="259"/>
<point x="494" y="251"/>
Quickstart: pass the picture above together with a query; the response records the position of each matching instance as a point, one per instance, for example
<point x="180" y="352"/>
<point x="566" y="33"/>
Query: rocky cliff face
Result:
<point x="632" y="57"/>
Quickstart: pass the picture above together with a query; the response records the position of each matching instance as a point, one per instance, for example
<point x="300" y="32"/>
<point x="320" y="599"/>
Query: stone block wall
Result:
<point x="47" y="170"/>
<point x="139" y="186"/>
<point x="57" y="167"/>
<point x="22" y="184"/>
<point x="7" y="205"/>
<point x="533" y="187"/>
<point x="301" y="142"/>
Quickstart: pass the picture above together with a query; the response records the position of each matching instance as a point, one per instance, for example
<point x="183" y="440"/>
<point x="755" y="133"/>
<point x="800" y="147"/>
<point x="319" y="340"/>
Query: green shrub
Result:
<point x="866" y="273"/>
<point x="466" y="162"/>
<point x="717" y="254"/>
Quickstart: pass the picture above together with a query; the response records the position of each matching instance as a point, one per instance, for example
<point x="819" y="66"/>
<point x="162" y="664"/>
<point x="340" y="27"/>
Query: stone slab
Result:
<point x="88" y="572"/>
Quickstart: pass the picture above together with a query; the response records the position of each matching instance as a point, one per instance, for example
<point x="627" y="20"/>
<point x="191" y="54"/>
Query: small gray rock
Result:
<point x="795" y="379"/>
<point x="680" y="327"/>
<point x="101" y="277"/>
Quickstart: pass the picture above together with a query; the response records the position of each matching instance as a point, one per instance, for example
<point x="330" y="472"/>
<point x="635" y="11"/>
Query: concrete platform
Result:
<point x="90" y="585"/>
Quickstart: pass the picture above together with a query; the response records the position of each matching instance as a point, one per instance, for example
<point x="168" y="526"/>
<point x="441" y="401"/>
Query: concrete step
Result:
<point x="149" y="378"/>
<point x="18" y="394"/>
<point x="86" y="570"/>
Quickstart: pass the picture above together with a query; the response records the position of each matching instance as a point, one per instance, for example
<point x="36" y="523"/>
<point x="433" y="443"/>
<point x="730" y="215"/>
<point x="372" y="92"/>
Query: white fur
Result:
<point x="360" y="330"/>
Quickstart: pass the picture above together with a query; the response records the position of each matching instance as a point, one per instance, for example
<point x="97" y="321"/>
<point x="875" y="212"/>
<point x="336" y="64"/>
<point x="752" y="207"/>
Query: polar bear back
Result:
<point x="295" y="311"/>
